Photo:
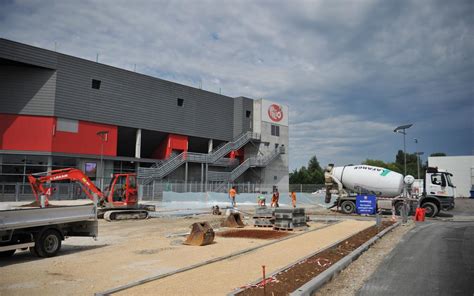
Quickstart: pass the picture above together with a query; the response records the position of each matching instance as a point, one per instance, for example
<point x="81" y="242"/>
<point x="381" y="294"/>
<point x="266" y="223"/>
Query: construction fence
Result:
<point x="10" y="192"/>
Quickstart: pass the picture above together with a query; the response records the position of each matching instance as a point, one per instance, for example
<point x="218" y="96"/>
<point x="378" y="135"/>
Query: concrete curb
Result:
<point x="313" y="285"/>
<point x="163" y="275"/>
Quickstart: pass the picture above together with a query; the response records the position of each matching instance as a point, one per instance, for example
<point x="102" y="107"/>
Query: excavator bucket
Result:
<point x="201" y="234"/>
<point x="234" y="220"/>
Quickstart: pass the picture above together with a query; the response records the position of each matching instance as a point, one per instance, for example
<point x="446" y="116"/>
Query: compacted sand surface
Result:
<point x="126" y="251"/>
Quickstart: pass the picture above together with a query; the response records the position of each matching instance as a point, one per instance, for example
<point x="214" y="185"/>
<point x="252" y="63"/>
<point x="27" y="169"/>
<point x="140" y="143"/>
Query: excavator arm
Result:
<point x="37" y="182"/>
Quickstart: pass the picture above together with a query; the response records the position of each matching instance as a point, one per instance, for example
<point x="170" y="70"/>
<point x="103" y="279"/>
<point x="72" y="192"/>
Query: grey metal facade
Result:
<point x="42" y="82"/>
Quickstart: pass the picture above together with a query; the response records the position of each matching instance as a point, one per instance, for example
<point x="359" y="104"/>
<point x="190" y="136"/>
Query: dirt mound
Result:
<point x="253" y="233"/>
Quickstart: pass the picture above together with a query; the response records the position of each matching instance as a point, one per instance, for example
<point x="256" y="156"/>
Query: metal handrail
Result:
<point x="161" y="168"/>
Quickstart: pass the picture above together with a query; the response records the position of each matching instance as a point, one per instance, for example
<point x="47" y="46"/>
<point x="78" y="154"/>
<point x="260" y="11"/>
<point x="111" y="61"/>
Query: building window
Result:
<point x="248" y="113"/>
<point x="96" y="84"/>
<point x="275" y="178"/>
<point x="67" y="125"/>
<point x="180" y="102"/>
<point x="275" y="130"/>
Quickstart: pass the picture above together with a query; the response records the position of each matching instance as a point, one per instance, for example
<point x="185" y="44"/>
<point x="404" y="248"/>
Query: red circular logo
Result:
<point x="275" y="113"/>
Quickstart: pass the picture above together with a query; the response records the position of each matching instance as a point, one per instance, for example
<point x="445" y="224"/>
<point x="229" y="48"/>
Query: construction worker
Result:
<point x="261" y="199"/>
<point x="232" y="194"/>
<point x="275" y="198"/>
<point x="293" y="198"/>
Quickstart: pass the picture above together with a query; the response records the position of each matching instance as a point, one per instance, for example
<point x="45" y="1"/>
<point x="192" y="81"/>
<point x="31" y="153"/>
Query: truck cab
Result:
<point x="438" y="188"/>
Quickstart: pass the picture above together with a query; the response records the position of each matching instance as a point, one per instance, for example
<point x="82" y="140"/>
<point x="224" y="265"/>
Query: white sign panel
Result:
<point x="274" y="113"/>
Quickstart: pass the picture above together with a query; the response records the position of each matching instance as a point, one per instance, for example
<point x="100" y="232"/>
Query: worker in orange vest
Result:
<point x="232" y="194"/>
<point x="275" y="199"/>
<point x="293" y="198"/>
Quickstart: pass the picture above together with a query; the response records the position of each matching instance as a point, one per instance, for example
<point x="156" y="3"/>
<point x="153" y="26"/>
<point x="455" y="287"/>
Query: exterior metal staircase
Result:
<point x="162" y="168"/>
<point x="251" y="162"/>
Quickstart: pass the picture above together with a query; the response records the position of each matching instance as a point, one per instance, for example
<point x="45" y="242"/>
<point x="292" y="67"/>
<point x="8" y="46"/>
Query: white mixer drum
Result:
<point x="371" y="179"/>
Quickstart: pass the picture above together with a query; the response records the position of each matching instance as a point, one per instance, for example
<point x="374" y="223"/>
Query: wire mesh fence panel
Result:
<point x="10" y="192"/>
<point x="307" y="188"/>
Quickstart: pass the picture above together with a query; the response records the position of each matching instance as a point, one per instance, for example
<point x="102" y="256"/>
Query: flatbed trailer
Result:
<point x="43" y="229"/>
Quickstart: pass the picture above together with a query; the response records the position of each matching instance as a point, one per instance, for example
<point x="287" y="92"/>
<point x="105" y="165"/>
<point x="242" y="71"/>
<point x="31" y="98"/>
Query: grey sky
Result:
<point x="351" y="71"/>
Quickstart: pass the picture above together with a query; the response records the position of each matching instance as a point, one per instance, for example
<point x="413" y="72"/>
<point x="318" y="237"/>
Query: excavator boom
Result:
<point x="120" y="203"/>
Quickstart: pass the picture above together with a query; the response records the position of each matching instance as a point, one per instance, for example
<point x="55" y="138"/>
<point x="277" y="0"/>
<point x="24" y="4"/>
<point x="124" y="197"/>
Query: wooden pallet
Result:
<point x="255" y="225"/>
<point x="290" y="228"/>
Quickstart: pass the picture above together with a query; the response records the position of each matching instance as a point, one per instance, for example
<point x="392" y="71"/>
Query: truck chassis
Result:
<point x="43" y="229"/>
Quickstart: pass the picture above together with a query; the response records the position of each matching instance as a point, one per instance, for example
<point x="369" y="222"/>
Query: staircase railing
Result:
<point x="162" y="168"/>
<point x="259" y="161"/>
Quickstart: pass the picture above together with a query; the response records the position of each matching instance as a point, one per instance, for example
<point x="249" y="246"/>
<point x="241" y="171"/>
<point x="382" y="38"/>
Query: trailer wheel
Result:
<point x="431" y="210"/>
<point x="348" y="207"/>
<point x="6" y="254"/>
<point x="48" y="243"/>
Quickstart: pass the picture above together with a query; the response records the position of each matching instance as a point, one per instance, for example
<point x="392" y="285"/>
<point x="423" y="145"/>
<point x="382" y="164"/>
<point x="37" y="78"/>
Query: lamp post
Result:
<point x="402" y="130"/>
<point x="104" y="137"/>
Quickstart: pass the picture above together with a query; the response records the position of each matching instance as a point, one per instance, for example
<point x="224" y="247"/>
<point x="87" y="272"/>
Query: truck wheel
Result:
<point x="431" y="210"/>
<point x="48" y="243"/>
<point x="6" y="254"/>
<point x="348" y="207"/>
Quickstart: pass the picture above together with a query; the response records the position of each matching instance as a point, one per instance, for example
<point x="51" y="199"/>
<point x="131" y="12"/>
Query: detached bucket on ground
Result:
<point x="234" y="220"/>
<point x="201" y="234"/>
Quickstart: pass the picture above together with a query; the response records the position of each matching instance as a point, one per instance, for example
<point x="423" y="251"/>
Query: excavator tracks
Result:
<point x="114" y="215"/>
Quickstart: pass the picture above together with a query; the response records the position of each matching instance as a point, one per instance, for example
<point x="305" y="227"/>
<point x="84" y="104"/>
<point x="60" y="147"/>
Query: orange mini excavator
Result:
<point x="119" y="202"/>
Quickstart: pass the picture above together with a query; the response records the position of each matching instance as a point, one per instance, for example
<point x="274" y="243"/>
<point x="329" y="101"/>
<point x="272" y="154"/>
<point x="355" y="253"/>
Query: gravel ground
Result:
<point x="351" y="279"/>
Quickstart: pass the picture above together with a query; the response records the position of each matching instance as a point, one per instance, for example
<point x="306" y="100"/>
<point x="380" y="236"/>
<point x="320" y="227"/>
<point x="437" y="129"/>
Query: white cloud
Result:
<point x="350" y="71"/>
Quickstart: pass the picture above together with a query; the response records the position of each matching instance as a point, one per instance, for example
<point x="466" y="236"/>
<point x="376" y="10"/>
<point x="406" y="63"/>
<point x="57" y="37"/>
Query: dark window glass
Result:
<point x="180" y="102"/>
<point x="95" y="84"/>
<point x="248" y="113"/>
<point x="275" y="130"/>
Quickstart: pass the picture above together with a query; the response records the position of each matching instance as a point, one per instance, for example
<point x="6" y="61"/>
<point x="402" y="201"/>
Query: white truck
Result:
<point x="390" y="188"/>
<point x="43" y="229"/>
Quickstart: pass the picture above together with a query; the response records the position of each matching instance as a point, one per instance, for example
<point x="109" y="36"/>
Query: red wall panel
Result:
<point x="37" y="133"/>
<point x="86" y="140"/>
<point x="172" y="142"/>
<point x="25" y="132"/>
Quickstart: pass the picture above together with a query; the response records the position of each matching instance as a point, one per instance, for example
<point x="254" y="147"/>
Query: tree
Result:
<point x="438" y="154"/>
<point x="312" y="175"/>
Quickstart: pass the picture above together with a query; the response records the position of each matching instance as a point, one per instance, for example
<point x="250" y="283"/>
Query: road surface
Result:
<point x="435" y="258"/>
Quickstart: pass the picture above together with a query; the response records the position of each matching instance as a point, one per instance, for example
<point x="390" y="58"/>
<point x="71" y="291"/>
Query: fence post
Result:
<point x="153" y="190"/>
<point x="301" y="187"/>
<point x="17" y="191"/>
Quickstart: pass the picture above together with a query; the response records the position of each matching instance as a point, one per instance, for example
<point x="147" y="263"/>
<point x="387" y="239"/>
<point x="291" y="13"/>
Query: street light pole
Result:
<point x="402" y="130"/>
<point x="417" y="158"/>
<point x="104" y="137"/>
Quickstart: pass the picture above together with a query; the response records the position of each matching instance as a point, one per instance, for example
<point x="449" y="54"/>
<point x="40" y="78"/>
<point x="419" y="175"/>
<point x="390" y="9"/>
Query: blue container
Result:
<point x="472" y="193"/>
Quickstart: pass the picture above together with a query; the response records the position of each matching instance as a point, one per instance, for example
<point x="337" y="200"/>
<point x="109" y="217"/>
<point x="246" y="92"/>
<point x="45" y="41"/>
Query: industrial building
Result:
<point x="462" y="168"/>
<point x="59" y="111"/>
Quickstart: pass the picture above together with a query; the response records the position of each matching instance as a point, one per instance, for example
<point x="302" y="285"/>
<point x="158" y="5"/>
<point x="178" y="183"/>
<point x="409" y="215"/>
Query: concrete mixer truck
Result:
<point x="390" y="188"/>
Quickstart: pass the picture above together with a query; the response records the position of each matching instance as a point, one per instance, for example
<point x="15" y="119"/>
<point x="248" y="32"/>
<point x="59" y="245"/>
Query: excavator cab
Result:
<point x="123" y="190"/>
